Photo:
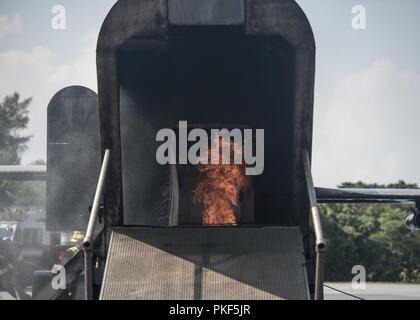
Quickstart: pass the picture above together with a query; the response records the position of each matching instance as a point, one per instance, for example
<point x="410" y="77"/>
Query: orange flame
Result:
<point x="219" y="188"/>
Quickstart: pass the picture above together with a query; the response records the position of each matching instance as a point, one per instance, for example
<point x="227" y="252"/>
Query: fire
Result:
<point x="219" y="188"/>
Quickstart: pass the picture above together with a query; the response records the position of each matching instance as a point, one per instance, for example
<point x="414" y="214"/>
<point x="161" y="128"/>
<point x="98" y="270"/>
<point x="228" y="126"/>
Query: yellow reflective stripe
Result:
<point x="19" y="259"/>
<point x="73" y="250"/>
<point x="6" y="269"/>
<point x="3" y="271"/>
<point x="77" y="236"/>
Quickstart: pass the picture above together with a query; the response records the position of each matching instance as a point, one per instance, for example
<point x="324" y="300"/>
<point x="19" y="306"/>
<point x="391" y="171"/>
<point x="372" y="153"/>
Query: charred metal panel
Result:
<point x="73" y="157"/>
<point x="206" y="12"/>
<point x="279" y="17"/>
<point x="128" y="19"/>
<point x="286" y="19"/>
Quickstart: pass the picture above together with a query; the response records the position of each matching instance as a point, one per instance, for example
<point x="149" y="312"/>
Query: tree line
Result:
<point x="372" y="235"/>
<point x="14" y="119"/>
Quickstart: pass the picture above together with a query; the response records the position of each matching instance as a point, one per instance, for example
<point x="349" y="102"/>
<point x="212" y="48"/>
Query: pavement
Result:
<point x="5" y="296"/>
<point x="374" y="291"/>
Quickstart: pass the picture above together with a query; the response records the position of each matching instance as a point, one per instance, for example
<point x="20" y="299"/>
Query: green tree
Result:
<point x="13" y="119"/>
<point x="29" y="193"/>
<point x="372" y="235"/>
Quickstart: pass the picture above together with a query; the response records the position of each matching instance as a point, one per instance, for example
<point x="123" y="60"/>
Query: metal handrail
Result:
<point x="367" y="195"/>
<point x="88" y="239"/>
<point x="23" y="173"/>
<point x="319" y="235"/>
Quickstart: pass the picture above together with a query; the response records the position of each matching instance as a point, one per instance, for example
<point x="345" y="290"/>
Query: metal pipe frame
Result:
<point x="88" y="239"/>
<point x="346" y="195"/>
<point x="23" y="173"/>
<point x="357" y="195"/>
<point x="319" y="235"/>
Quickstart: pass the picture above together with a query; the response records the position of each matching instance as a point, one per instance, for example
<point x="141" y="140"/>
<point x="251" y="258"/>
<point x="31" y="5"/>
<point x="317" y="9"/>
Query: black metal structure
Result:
<point x="249" y="62"/>
<point x="23" y="173"/>
<point x="354" y="195"/>
<point x="73" y="157"/>
<point x="208" y="62"/>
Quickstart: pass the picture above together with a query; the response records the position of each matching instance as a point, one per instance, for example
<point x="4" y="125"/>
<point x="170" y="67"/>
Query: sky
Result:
<point x="367" y="90"/>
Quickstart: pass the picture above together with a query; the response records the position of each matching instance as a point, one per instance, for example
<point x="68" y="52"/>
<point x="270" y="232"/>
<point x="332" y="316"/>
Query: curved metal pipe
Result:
<point x="319" y="234"/>
<point x="88" y="239"/>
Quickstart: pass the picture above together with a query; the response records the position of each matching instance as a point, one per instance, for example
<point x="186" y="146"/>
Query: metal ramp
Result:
<point x="205" y="263"/>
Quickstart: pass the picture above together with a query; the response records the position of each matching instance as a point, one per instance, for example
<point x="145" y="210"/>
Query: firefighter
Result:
<point x="77" y="241"/>
<point x="6" y="198"/>
<point x="11" y="261"/>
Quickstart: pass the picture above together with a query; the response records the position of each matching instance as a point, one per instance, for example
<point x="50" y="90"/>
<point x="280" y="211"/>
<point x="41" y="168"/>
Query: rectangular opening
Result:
<point x="210" y="193"/>
<point x="222" y="78"/>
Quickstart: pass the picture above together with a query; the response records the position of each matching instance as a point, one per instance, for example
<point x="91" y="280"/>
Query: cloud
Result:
<point x="10" y="25"/>
<point x="40" y="73"/>
<point x="370" y="131"/>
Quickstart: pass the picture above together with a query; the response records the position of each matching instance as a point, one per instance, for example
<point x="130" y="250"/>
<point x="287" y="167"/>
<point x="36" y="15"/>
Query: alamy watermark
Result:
<point x="58" y="282"/>
<point x="58" y="21"/>
<point x="359" y="280"/>
<point x="220" y="139"/>
<point x="359" y="19"/>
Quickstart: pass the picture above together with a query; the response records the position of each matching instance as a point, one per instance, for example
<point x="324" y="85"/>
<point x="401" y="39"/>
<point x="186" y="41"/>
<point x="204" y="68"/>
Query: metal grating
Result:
<point x="208" y="263"/>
